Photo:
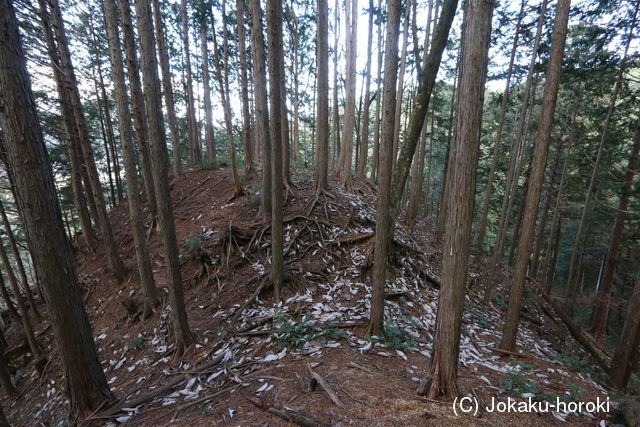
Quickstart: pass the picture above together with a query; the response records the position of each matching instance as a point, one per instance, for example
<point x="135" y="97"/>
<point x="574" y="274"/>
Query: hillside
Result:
<point x="253" y="361"/>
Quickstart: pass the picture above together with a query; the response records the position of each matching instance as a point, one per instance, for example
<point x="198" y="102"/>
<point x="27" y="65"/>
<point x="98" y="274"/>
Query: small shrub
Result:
<point x="138" y="342"/>
<point x="574" y="362"/>
<point x="194" y="247"/>
<point x="296" y="334"/>
<point x="516" y="381"/>
<point x="500" y="301"/>
<point x="478" y="316"/>
<point x="393" y="336"/>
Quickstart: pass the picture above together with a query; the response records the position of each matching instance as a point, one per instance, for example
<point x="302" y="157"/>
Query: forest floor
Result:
<point x="252" y="360"/>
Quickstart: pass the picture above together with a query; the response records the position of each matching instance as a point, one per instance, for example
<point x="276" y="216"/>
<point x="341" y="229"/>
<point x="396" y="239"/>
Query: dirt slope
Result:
<point x="264" y="353"/>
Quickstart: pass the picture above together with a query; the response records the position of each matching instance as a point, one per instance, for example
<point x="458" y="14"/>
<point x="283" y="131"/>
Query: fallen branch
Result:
<point x="573" y="329"/>
<point x="326" y="387"/>
<point x="508" y="353"/>
<point x="362" y="368"/>
<point x="287" y="414"/>
<point x="119" y="405"/>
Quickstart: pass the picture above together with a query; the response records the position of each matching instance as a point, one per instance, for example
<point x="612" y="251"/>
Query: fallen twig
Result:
<point x="326" y="387"/>
<point x="288" y="414"/>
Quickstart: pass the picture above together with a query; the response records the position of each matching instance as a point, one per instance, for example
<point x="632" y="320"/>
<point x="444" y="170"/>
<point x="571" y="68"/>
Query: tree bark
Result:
<point x="145" y="271"/>
<point x="94" y="188"/>
<point x="576" y="253"/>
<point x="376" y="126"/>
<point x="274" y="34"/>
<point x="498" y="144"/>
<point x="441" y="380"/>
<point x="209" y="137"/>
<point x="343" y="170"/>
<point x="263" y="133"/>
<point x="322" y="115"/>
<point x="383" y="223"/>
<point x="194" y="134"/>
<point x="422" y="99"/>
<point x="86" y="386"/>
<point x="400" y="90"/>
<point x="167" y="87"/>
<point x="158" y="145"/>
<point x="601" y="315"/>
<point x="137" y="103"/>
<point x="626" y="351"/>
<point x="249" y="168"/>
<point x="223" y="86"/>
<point x="543" y="138"/>
<point x="16" y="255"/>
<point x="364" y="137"/>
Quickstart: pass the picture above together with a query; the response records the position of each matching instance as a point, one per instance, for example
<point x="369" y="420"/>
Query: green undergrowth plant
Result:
<point x="292" y="334"/>
<point x="137" y="343"/>
<point x="516" y="381"/>
<point x="478" y="316"/>
<point x="574" y="362"/>
<point x="193" y="247"/>
<point x="393" y="336"/>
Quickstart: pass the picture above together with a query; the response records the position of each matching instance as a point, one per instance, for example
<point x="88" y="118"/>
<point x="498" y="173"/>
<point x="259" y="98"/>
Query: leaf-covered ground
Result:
<point x="252" y="360"/>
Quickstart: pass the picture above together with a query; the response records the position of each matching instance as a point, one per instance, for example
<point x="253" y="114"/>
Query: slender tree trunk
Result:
<point x="145" y="271"/>
<point x="482" y="228"/>
<point x="137" y="103"/>
<point x="322" y="115"/>
<point x="376" y="126"/>
<point x="86" y="386"/>
<point x="94" y="189"/>
<point x="226" y="106"/>
<point x="274" y="32"/>
<point x="167" y="87"/>
<point x="399" y="96"/>
<point x="422" y="99"/>
<point x="263" y="132"/>
<point x="208" y="112"/>
<point x="336" y="113"/>
<point x="626" y="351"/>
<point x="383" y="223"/>
<point x="543" y="138"/>
<point x="22" y="306"/>
<point x="194" y="135"/>
<point x="5" y="376"/>
<point x="107" y="150"/>
<point x="601" y="315"/>
<point x="364" y="137"/>
<point x="513" y="173"/>
<point x="578" y="244"/>
<point x="158" y="145"/>
<point x="542" y="223"/>
<point x="441" y="380"/>
<point x="249" y="168"/>
<point x="343" y="171"/>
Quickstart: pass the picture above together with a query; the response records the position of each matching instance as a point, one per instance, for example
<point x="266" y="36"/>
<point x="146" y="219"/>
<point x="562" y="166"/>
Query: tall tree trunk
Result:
<point x="79" y="197"/>
<point x="543" y="138"/>
<point x="94" y="189"/>
<point x="383" y="223"/>
<point x="364" y="138"/>
<point x="167" y="87"/>
<point x="107" y="150"/>
<point x="376" y="126"/>
<point x="208" y="111"/>
<point x="22" y="306"/>
<point x="542" y="223"/>
<point x="194" y="135"/>
<point x="16" y="255"/>
<point x="137" y="103"/>
<point x="441" y="380"/>
<point x="5" y="376"/>
<point x="336" y="113"/>
<point x="145" y="271"/>
<point x="249" y="168"/>
<point x="322" y="115"/>
<point x="343" y="170"/>
<point x="626" y="351"/>
<point x="482" y="228"/>
<point x="263" y="132"/>
<point x="513" y="173"/>
<point x="86" y="386"/>
<point x="400" y="91"/>
<point x="274" y="32"/>
<point x="601" y="315"/>
<point x="419" y="112"/>
<point x="223" y="86"/>
<point x="578" y="244"/>
<point x="158" y="145"/>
